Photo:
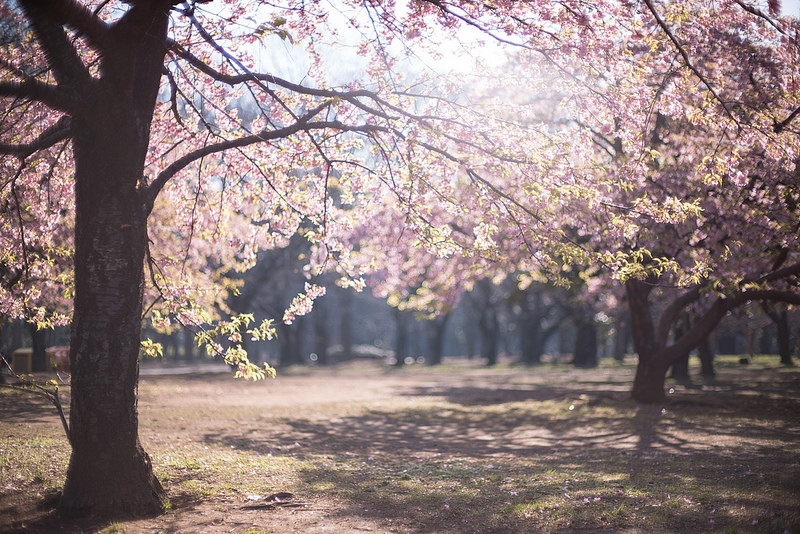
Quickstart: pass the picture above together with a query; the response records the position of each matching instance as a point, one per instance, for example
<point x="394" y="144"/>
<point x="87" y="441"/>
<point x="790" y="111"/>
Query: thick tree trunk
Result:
<point x="651" y="371"/>
<point x="648" y="384"/>
<point x="109" y="474"/>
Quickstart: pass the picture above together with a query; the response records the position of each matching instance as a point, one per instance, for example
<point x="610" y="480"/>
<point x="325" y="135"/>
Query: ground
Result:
<point x="460" y="448"/>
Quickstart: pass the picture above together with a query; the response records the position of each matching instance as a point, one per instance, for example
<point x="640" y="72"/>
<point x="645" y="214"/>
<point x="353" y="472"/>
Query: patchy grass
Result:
<point x="458" y="448"/>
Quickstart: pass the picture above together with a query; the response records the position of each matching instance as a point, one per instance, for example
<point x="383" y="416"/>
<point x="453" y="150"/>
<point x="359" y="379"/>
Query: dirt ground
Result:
<point x="365" y="448"/>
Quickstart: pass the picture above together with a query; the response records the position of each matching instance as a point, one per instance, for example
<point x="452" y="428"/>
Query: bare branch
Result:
<point x="236" y="79"/>
<point x="760" y="14"/>
<point x="303" y="124"/>
<point x="30" y="385"/>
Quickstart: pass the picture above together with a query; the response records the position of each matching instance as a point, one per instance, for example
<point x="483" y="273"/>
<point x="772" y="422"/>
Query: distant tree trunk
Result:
<point x="188" y="345"/>
<point x="346" y="311"/>
<point x="436" y="330"/>
<point x="487" y="321"/>
<point x="680" y="367"/>
<point x="320" y="321"/>
<point x="290" y="343"/>
<point x="470" y="338"/>
<point x="17" y="328"/>
<point x="585" y="350"/>
<point x="401" y="337"/>
<point x="621" y="339"/>
<point x="533" y="343"/>
<point x="38" y="341"/>
<point x="490" y="333"/>
<point x="706" y="355"/>
<point x="780" y="316"/>
<point x="532" y="336"/>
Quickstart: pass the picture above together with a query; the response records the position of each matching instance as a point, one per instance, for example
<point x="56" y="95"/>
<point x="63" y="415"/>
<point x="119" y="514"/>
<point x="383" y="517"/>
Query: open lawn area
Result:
<point x="458" y="448"/>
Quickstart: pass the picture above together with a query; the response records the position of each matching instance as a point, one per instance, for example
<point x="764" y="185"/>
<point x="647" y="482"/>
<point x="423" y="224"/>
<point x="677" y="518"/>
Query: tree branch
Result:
<point x="718" y="310"/>
<point x="303" y="124"/>
<point x="669" y="314"/>
<point x="68" y="69"/>
<point x="685" y="56"/>
<point x="236" y="79"/>
<point x="780" y="126"/>
<point x="49" y="95"/>
<point x="74" y="15"/>
<point x="58" y="132"/>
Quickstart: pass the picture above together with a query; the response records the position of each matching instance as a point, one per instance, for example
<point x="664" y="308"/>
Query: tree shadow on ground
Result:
<point x="451" y="460"/>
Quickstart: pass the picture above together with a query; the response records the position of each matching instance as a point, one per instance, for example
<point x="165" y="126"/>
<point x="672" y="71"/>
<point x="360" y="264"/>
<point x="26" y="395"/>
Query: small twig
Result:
<point x="31" y="386"/>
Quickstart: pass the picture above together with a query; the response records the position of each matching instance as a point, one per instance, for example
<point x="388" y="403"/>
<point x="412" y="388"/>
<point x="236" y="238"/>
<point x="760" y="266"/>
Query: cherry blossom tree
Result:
<point x="116" y="115"/>
<point x="142" y="141"/>
<point x="663" y="148"/>
<point x="149" y="134"/>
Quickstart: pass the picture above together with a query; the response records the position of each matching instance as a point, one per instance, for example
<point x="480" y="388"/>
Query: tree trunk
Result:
<point x="651" y="371"/>
<point x="680" y="368"/>
<point x="346" y="314"/>
<point x="532" y="335"/>
<point x="401" y="337"/>
<point x="39" y="361"/>
<point x="706" y="355"/>
<point x="585" y="351"/>
<point x="648" y="384"/>
<point x="621" y="339"/>
<point x="320" y="320"/>
<point x="487" y="321"/>
<point x="784" y="337"/>
<point x="436" y="331"/>
<point x="109" y="474"/>
<point x="290" y="343"/>
<point x="490" y="332"/>
<point x="188" y="345"/>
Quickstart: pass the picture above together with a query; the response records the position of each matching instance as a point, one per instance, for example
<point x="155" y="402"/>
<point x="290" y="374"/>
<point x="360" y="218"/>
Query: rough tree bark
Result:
<point x="109" y="474"/>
